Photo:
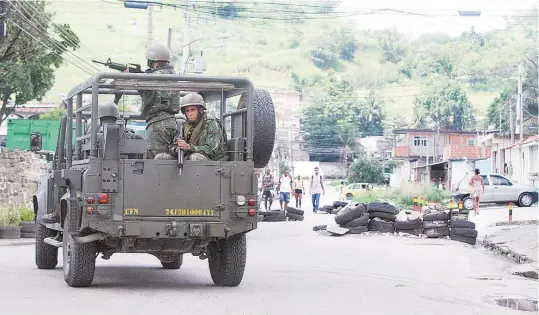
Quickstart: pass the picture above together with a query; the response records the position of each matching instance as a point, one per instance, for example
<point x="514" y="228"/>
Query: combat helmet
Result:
<point x="192" y="99"/>
<point x="158" y="52"/>
<point x="107" y="111"/>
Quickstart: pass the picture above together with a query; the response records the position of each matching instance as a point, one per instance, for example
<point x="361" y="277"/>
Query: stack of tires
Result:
<point x="436" y="225"/>
<point x="463" y="231"/>
<point x="353" y="217"/>
<point x="382" y="217"/>
<point x="409" y="224"/>
<point x="274" y="216"/>
<point x="294" y="214"/>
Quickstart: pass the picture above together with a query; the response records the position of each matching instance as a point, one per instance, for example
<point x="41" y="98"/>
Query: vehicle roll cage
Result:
<point x="212" y="88"/>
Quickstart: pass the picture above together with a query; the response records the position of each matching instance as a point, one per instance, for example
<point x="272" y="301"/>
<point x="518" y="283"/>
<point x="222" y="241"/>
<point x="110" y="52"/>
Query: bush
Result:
<point x="10" y="216"/>
<point x="366" y="171"/>
<point x="27" y="213"/>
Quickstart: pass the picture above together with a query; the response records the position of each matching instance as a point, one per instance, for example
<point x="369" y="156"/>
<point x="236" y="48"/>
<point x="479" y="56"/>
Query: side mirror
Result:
<point x="35" y="141"/>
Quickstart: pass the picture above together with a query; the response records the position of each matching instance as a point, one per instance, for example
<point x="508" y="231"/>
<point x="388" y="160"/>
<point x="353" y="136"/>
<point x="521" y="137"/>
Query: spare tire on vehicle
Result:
<point x="378" y="206"/>
<point x="264" y="127"/>
<point x="436" y="232"/>
<point x="361" y="221"/>
<point x="349" y="213"/>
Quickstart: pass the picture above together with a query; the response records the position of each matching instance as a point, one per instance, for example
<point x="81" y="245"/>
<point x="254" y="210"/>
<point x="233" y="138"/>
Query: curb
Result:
<point x="15" y="242"/>
<point x="505" y="251"/>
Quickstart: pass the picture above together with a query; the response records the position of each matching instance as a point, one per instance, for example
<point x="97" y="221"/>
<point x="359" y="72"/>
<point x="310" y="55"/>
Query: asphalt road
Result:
<point x="290" y="270"/>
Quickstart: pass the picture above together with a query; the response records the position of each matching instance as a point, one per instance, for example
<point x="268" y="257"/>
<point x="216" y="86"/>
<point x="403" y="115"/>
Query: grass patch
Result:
<point x="403" y="197"/>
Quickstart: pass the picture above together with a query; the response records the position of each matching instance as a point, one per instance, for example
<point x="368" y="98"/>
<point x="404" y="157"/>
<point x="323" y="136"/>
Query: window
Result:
<point x="500" y="181"/>
<point x="470" y="142"/>
<point x="485" y="179"/>
<point x="420" y="141"/>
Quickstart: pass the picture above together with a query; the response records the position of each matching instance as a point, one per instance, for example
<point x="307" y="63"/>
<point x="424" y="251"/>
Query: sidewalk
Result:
<point x="17" y="242"/>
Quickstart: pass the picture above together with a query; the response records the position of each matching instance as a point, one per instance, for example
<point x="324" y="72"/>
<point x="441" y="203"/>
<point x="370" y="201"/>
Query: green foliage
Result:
<point x="498" y="111"/>
<point x="229" y="11"/>
<point x="323" y="52"/>
<point x="53" y="114"/>
<point x="27" y="213"/>
<point x="366" y="171"/>
<point x="393" y="45"/>
<point x="10" y="216"/>
<point x="347" y="44"/>
<point x="26" y="66"/>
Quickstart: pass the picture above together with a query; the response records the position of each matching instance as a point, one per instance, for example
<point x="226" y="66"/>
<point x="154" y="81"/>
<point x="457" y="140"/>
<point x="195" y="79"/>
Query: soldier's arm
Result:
<point x="211" y="144"/>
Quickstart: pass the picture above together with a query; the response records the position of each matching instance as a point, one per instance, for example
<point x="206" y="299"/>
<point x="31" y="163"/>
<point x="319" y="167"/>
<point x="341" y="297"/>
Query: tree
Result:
<point x="394" y="46"/>
<point x="370" y="115"/>
<point x="347" y="44"/>
<point x="365" y="170"/>
<point x="498" y="111"/>
<point x="30" y="54"/>
<point x="53" y="114"/>
<point x="324" y="52"/>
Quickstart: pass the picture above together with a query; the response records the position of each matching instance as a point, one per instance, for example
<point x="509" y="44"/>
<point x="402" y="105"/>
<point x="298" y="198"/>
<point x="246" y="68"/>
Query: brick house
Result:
<point x="426" y="153"/>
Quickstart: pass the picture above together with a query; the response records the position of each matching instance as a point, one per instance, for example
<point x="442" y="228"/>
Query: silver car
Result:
<point x="500" y="189"/>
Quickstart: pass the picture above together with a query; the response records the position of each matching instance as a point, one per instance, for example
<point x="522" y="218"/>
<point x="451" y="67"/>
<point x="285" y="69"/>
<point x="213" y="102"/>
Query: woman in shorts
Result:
<point x="298" y="190"/>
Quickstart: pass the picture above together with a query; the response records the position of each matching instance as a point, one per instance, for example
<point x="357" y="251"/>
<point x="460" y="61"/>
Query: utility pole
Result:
<point x="169" y="40"/>
<point x="186" y="48"/>
<point x="149" y="41"/>
<point x="511" y="127"/>
<point x="520" y="115"/>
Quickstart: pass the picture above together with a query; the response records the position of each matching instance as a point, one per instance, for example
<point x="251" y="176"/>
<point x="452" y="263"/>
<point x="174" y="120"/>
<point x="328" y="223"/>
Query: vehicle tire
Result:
<point x="467" y="203"/>
<point x="174" y="264"/>
<point x="415" y="231"/>
<point x="319" y="227"/>
<point x="79" y="262"/>
<point x="347" y="214"/>
<point x="227" y="259"/>
<point x="438" y="216"/>
<point x="335" y="211"/>
<point x="358" y="230"/>
<point x="463" y="239"/>
<point x="434" y="224"/>
<point x="436" y="232"/>
<point x="264" y="127"/>
<point x="294" y="211"/>
<point x="525" y="200"/>
<point x="408" y="225"/>
<point x="337" y="204"/>
<point x="295" y="217"/>
<point x="349" y="196"/>
<point x="46" y="255"/>
<point x="363" y="220"/>
<point x="275" y="219"/>
<point x="382" y="215"/>
<point x="464" y="232"/>
<point x="462" y="224"/>
<point x="381" y="226"/>
<point x="381" y="207"/>
<point x="274" y="213"/>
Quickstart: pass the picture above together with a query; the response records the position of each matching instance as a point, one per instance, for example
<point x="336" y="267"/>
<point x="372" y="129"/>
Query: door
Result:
<point x="487" y="196"/>
<point x="503" y="189"/>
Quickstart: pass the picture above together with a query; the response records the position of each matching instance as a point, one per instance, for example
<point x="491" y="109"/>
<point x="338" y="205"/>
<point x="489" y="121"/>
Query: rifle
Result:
<point x="132" y="67"/>
<point x="181" y="153"/>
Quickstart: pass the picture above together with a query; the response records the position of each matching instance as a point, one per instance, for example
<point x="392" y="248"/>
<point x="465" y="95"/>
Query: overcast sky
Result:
<point x="442" y="16"/>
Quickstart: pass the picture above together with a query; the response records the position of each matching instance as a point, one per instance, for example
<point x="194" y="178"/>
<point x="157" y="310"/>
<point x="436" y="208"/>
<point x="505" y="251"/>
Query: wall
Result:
<point x="332" y="170"/>
<point x="19" y="173"/>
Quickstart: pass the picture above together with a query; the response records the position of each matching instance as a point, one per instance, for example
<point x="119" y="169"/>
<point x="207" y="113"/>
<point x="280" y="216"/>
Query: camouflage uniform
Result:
<point x="159" y="108"/>
<point x="211" y="143"/>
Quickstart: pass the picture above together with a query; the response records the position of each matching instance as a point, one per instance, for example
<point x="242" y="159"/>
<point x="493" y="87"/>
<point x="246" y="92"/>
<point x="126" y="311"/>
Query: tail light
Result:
<point x="252" y="202"/>
<point x="103" y="198"/>
<point x="252" y="212"/>
<point x="90" y="199"/>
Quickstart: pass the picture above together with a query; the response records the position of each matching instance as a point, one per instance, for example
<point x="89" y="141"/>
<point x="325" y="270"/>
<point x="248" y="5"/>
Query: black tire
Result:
<point x="174" y="264"/>
<point x="415" y="232"/>
<point x="335" y="211"/>
<point x="295" y="217"/>
<point x="381" y="226"/>
<point x="46" y="255"/>
<point x="462" y="224"/>
<point x="463" y="239"/>
<point x="464" y="232"/>
<point x="525" y="200"/>
<point x="358" y="230"/>
<point x="275" y="213"/>
<point x="79" y="262"/>
<point x="319" y="227"/>
<point x="361" y="221"/>
<point x="349" y="196"/>
<point x="264" y="127"/>
<point x="227" y="259"/>
<point x="434" y="224"/>
<point x="381" y="207"/>
<point x="408" y="225"/>
<point x="382" y="215"/>
<point x="436" y="232"/>
<point x="339" y="204"/>
<point x="275" y="219"/>
<point x="347" y="214"/>
<point x="438" y="216"/>
<point x="295" y="211"/>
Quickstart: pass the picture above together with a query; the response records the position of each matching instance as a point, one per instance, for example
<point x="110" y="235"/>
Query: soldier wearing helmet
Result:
<point x="204" y="137"/>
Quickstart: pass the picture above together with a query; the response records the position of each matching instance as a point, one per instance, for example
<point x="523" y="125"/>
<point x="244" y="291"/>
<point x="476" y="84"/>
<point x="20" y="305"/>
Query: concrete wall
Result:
<point x="19" y="173"/>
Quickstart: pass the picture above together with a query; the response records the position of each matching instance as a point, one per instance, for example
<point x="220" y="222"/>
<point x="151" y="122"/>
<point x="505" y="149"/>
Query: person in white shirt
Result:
<point x="285" y="189"/>
<point x="317" y="187"/>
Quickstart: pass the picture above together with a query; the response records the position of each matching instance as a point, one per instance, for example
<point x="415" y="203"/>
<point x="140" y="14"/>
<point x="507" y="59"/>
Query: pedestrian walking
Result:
<point x="285" y="189"/>
<point x="478" y="189"/>
<point x="341" y="191"/>
<point x="316" y="188"/>
<point x="266" y="188"/>
<point x="298" y="190"/>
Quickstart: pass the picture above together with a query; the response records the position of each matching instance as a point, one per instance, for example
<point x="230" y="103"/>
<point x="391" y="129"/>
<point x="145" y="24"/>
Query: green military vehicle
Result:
<point x="113" y="200"/>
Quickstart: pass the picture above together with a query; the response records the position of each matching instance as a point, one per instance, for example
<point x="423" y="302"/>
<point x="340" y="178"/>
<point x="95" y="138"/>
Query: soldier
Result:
<point x="159" y="107"/>
<point x="204" y="137"/>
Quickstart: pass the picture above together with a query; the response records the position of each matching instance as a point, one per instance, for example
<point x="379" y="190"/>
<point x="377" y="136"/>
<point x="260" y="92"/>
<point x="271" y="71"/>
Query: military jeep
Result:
<point x="112" y="199"/>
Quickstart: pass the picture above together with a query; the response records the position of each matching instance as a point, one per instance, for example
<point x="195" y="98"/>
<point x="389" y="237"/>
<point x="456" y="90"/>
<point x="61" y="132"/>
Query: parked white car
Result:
<point x="500" y="189"/>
